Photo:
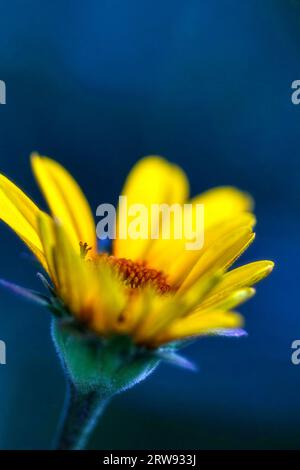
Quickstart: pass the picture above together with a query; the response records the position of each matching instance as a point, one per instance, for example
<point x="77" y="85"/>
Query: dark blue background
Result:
<point x="98" y="84"/>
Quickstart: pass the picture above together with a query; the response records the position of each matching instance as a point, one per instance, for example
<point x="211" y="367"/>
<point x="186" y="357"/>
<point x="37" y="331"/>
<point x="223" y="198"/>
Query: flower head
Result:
<point x="152" y="291"/>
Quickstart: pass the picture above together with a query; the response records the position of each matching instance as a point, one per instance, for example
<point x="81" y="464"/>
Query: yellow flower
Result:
<point x="154" y="291"/>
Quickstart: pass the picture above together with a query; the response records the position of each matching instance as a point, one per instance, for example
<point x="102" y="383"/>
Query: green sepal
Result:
<point x="111" y="365"/>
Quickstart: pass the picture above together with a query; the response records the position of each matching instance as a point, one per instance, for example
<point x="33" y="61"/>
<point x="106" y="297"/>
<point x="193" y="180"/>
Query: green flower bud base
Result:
<point x="96" y="369"/>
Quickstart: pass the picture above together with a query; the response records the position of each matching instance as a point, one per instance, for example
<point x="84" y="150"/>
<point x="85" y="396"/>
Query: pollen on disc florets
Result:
<point x="137" y="274"/>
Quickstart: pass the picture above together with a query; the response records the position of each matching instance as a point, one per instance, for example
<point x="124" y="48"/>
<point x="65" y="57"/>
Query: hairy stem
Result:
<point x="80" y="415"/>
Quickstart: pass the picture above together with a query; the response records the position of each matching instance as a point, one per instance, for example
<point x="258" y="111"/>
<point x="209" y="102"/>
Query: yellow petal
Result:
<point x="139" y="305"/>
<point x="74" y="277"/>
<point x="23" y="204"/>
<point x="163" y="310"/>
<point x="48" y="240"/>
<point x="220" y="255"/>
<point x="182" y="260"/>
<point x="160" y="310"/>
<point x="199" y="325"/>
<point x="111" y="301"/>
<point x="65" y="265"/>
<point x="20" y="214"/>
<point x="66" y="200"/>
<point x="232" y="300"/>
<point x="225" y="208"/>
<point x="244" y="276"/>
<point x="224" y="211"/>
<point x="222" y="203"/>
<point x="89" y="291"/>
<point x="152" y="180"/>
<point x="77" y="283"/>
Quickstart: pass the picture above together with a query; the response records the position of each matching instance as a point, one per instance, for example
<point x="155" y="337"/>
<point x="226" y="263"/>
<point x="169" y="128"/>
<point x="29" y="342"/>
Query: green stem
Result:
<point x="80" y="416"/>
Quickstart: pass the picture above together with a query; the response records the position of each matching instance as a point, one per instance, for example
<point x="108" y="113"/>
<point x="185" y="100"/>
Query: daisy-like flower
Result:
<point x="151" y="293"/>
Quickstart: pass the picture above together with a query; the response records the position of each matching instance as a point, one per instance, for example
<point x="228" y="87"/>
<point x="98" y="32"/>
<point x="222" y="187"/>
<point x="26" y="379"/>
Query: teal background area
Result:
<point x="207" y="84"/>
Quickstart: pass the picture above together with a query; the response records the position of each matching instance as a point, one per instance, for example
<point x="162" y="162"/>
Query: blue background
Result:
<point x="207" y="84"/>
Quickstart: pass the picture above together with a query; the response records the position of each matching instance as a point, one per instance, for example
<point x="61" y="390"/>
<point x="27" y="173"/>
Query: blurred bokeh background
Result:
<point x="207" y="84"/>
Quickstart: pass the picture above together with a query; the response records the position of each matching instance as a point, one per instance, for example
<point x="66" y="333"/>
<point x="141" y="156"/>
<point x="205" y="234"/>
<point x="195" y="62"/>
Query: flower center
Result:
<point x="137" y="274"/>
